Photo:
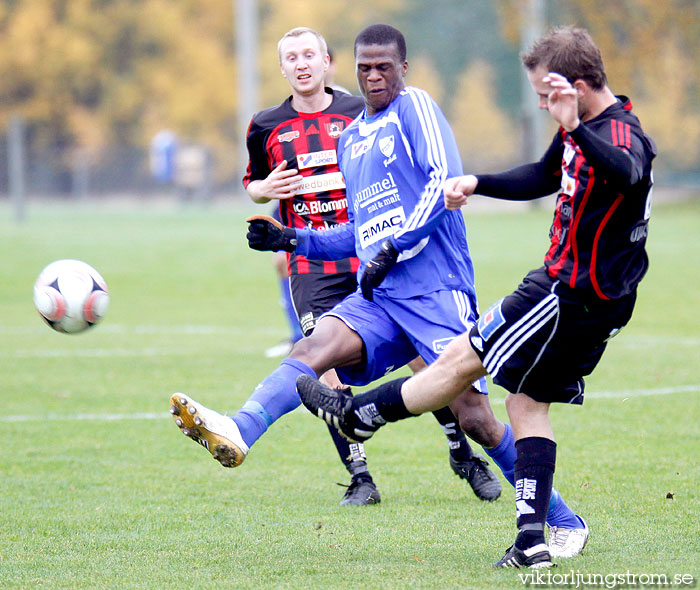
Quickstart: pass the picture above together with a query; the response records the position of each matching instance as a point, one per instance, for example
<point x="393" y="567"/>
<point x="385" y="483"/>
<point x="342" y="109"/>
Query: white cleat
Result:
<point x="567" y="542"/>
<point x="216" y="433"/>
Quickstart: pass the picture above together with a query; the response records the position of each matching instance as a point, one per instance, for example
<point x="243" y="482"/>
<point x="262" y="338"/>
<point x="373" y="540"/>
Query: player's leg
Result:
<point x="463" y="461"/>
<point x="313" y="296"/>
<point x="533" y="473"/>
<point x="451" y="373"/>
<point x="229" y="439"/>
<point x="476" y="417"/>
<point x="362" y="489"/>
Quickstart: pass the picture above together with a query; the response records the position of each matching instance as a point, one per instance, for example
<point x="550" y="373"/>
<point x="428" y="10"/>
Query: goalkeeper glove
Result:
<point x="377" y="269"/>
<point x="268" y="234"/>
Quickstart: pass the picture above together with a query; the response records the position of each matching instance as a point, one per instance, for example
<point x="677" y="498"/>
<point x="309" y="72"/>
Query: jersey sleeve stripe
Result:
<point x="436" y="160"/>
<point x="613" y="131"/>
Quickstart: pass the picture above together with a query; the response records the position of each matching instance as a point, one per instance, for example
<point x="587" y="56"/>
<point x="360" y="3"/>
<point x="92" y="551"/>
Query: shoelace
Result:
<point x="555" y="538"/>
<point x="479" y="469"/>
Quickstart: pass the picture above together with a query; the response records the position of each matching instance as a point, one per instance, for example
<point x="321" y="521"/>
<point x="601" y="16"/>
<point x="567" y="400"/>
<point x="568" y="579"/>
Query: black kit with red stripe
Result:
<point x="602" y="171"/>
<point x="308" y="142"/>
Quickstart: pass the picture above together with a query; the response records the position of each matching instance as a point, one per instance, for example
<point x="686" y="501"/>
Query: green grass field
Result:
<point x="100" y="490"/>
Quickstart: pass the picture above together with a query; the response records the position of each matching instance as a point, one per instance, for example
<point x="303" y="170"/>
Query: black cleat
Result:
<point x="361" y="492"/>
<point x="482" y="480"/>
<point x="536" y="557"/>
<point x="333" y="406"/>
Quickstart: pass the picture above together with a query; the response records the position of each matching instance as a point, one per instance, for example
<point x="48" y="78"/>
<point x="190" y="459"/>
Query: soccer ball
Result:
<point x="70" y="295"/>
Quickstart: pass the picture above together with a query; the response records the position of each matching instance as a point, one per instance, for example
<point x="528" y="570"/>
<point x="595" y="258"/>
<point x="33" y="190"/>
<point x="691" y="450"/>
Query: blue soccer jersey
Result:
<point x="395" y="164"/>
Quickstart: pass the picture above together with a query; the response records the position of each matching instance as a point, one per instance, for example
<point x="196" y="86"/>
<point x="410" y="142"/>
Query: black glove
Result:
<point x="268" y="234"/>
<point x="377" y="269"/>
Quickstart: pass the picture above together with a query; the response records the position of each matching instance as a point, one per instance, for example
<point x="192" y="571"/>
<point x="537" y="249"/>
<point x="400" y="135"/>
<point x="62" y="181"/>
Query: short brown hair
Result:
<point x="568" y="51"/>
<point x="298" y="32"/>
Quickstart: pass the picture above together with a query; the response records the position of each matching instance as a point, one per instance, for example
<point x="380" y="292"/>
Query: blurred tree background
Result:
<point x="102" y="77"/>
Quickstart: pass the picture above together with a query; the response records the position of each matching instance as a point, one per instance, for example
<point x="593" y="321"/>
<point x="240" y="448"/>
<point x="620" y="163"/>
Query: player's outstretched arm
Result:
<point x="458" y="189"/>
<point x="279" y="184"/>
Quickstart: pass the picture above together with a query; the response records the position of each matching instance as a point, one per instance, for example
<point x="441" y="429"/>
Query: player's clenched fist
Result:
<point x="457" y="189"/>
<point x="268" y="234"/>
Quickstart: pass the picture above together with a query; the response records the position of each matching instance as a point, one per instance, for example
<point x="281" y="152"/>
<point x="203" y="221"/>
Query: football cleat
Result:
<point x="334" y="406"/>
<point x="568" y="542"/>
<point x="477" y="473"/>
<point x="361" y="492"/>
<point x="536" y="557"/>
<point x="216" y="433"/>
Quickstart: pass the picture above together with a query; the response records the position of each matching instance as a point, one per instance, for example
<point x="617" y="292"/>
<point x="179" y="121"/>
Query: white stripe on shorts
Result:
<point x="463" y="308"/>
<point x="518" y="333"/>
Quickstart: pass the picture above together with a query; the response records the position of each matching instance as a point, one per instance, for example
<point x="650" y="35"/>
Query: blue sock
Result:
<point x="274" y="397"/>
<point x="559" y="514"/>
<point x="288" y="306"/>
<point x="504" y="455"/>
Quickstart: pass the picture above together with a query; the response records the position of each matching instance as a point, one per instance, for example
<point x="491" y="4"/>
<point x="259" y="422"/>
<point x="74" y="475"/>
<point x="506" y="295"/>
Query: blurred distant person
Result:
<point x="162" y="154"/>
<point x="330" y="74"/>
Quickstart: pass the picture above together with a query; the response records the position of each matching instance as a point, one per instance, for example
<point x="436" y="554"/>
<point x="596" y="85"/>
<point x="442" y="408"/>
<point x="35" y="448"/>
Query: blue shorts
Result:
<point x="396" y="331"/>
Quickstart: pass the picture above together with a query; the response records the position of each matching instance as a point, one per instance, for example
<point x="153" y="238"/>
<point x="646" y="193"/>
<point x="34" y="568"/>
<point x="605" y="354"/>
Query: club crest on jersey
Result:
<point x="289" y="136"/>
<point x="386" y="146"/>
<point x="491" y="320"/>
<point x="362" y="147"/>
<point x="335" y="128"/>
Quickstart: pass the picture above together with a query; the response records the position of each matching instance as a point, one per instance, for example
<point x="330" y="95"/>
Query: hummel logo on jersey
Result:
<point x="362" y="147"/>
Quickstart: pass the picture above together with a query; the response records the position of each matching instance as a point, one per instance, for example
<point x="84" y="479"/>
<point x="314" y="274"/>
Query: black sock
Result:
<point x="381" y="404"/>
<point x="459" y="447"/>
<point x="534" y="472"/>
<point x="351" y="454"/>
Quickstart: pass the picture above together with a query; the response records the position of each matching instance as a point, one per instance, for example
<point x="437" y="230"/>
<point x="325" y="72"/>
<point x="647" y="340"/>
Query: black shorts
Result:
<point x="542" y="339"/>
<point x="314" y="294"/>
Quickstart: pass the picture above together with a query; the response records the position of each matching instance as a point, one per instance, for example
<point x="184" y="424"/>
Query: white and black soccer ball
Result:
<point x="71" y="296"/>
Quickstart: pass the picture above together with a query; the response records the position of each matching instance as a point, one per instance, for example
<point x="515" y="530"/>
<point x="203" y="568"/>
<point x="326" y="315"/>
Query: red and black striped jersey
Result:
<point x="602" y="171"/>
<point x="308" y="142"/>
<point x="600" y="224"/>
